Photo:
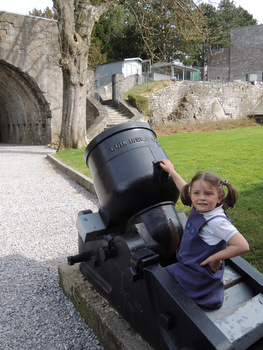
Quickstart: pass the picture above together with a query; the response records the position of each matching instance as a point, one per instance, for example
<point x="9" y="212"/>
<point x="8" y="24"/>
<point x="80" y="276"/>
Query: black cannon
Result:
<point x="124" y="247"/>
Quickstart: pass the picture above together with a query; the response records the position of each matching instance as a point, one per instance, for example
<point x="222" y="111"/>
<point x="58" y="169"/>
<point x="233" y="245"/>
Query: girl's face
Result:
<point x="204" y="196"/>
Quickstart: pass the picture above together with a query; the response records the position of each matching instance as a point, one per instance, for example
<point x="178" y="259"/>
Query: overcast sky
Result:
<point x="254" y="7"/>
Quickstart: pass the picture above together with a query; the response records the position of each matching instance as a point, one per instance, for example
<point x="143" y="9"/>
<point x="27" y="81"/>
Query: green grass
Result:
<point x="75" y="159"/>
<point x="235" y="155"/>
<point x="145" y="88"/>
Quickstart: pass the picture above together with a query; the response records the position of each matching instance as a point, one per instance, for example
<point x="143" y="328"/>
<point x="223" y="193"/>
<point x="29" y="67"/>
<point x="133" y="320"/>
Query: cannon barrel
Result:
<point x="125" y="164"/>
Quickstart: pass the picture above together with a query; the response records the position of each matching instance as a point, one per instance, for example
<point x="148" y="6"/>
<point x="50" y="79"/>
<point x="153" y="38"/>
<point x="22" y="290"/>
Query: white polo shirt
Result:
<point x="217" y="229"/>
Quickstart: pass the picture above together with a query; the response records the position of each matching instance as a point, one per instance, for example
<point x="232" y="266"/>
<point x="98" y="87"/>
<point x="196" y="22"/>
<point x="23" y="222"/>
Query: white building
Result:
<point x="130" y="66"/>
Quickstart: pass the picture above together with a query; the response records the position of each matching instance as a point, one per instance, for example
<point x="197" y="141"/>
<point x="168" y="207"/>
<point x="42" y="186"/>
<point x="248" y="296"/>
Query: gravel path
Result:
<point x="38" y="211"/>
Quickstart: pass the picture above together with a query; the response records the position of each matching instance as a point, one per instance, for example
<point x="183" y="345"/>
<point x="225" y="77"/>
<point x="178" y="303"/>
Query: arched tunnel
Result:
<point x="25" y="115"/>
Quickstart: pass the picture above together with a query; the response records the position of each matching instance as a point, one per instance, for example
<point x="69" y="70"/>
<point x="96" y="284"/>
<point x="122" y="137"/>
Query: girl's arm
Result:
<point x="237" y="245"/>
<point x="169" y="168"/>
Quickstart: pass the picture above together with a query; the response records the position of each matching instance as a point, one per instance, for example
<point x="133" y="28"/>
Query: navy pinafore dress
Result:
<point x="199" y="282"/>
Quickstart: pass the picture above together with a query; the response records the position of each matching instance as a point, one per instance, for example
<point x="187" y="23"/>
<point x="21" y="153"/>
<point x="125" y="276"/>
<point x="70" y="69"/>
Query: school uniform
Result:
<point x="204" y="235"/>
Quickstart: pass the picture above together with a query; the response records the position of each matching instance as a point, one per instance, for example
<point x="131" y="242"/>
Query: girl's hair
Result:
<point x="229" y="200"/>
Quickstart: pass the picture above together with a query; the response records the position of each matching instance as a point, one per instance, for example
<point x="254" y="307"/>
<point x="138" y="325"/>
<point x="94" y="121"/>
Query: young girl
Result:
<point x="200" y="267"/>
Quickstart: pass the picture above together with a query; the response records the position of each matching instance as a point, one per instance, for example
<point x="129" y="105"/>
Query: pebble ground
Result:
<point x="38" y="211"/>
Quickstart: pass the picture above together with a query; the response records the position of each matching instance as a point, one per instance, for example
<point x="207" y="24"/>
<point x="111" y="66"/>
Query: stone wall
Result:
<point x="246" y="53"/>
<point x="203" y="101"/>
<point x="243" y="60"/>
<point x="219" y="66"/>
<point x="31" y="97"/>
<point x="125" y="84"/>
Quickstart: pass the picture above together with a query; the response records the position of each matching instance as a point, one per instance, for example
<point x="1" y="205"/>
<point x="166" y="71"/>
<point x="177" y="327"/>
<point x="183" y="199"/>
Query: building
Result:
<point x="144" y="69"/>
<point x="174" y="70"/>
<point x="127" y="67"/>
<point x="242" y="61"/>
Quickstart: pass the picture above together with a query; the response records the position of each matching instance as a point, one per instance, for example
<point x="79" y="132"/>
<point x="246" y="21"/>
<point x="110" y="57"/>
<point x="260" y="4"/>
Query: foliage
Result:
<point x="76" y="20"/>
<point x="47" y="13"/>
<point x="168" y="30"/>
<point x="200" y="49"/>
<point x="118" y="36"/>
<point x="166" y="26"/>
<point x="137" y="96"/>
<point x="146" y="88"/>
<point x="96" y="57"/>
<point x="139" y="102"/>
<point x="162" y="30"/>
<point x="231" y="17"/>
<point x="218" y="24"/>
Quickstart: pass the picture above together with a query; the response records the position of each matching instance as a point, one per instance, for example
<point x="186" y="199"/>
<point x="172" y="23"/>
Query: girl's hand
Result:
<point x="237" y="245"/>
<point x="213" y="264"/>
<point x="167" y="165"/>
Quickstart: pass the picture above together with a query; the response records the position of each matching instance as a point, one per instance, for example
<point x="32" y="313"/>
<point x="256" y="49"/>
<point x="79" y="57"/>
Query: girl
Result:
<point x="200" y="267"/>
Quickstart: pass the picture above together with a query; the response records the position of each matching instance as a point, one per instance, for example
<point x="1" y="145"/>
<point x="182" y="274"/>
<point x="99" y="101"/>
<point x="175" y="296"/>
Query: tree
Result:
<point x="47" y="13"/>
<point x="76" y="20"/>
<point x="218" y="23"/>
<point x="213" y="32"/>
<point x="166" y="26"/>
<point x="168" y="29"/>
<point x="96" y="56"/>
<point x="118" y="35"/>
<point x="75" y="23"/>
<point x="231" y="17"/>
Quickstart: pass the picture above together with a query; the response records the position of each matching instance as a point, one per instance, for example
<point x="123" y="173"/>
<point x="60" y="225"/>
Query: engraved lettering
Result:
<point x="118" y="146"/>
<point x="131" y="141"/>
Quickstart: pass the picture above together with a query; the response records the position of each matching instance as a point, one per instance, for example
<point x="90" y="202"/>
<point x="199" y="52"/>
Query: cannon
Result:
<point x="124" y="247"/>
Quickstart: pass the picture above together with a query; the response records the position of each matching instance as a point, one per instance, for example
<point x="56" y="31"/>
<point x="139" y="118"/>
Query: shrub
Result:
<point x="139" y="102"/>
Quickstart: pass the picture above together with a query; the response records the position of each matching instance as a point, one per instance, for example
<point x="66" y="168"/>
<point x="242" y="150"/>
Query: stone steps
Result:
<point x="114" y="117"/>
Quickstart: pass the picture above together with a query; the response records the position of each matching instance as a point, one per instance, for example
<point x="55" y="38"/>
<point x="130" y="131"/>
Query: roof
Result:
<point x="175" y="64"/>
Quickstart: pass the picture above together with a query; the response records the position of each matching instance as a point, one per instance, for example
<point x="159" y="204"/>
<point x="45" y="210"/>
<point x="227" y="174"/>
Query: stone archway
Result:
<point x="25" y="115"/>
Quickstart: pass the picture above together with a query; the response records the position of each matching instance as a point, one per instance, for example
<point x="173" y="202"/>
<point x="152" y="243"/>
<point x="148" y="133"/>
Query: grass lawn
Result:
<point x="235" y="155"/>
<point x="75" y="159"/>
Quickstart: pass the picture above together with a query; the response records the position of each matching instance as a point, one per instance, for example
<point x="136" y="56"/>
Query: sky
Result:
<point x="23" y="7"/>
<point x="254" y="7"/>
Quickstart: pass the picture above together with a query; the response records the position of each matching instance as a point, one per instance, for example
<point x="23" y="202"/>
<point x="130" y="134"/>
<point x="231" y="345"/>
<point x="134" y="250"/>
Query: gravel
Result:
<point x="38" y="212"/>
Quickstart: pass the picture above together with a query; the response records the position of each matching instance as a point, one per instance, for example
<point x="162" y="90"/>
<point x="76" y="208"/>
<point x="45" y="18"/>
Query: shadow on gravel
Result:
<point x="24" y="149"/>
<point x="35" y="314"/>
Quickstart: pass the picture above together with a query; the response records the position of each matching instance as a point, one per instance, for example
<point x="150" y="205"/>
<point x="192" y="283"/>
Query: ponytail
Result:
<point x="231" y="198"/>
<point x="185" y="195"/>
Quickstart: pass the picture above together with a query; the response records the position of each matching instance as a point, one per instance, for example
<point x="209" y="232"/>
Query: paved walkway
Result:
<point x="38" y="211"/>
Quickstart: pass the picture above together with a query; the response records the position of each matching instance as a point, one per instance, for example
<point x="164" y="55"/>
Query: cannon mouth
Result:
<point x="113" y="131"/>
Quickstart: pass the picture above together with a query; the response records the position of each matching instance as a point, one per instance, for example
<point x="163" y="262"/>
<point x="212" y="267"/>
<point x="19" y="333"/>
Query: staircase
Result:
<point x="115" y="116"/>
<point x="109" y="116"/>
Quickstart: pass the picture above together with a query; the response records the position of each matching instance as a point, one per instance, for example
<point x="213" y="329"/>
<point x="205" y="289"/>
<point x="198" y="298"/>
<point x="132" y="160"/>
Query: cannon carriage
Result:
<point x="124" y="247"/>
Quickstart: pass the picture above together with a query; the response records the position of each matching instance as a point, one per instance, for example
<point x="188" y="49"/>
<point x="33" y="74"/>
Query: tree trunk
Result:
<point x="75" y="28"/>
<point x="73" y="129"/>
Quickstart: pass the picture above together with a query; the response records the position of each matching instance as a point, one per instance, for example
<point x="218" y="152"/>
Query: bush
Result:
<point x="139" y="102"/>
